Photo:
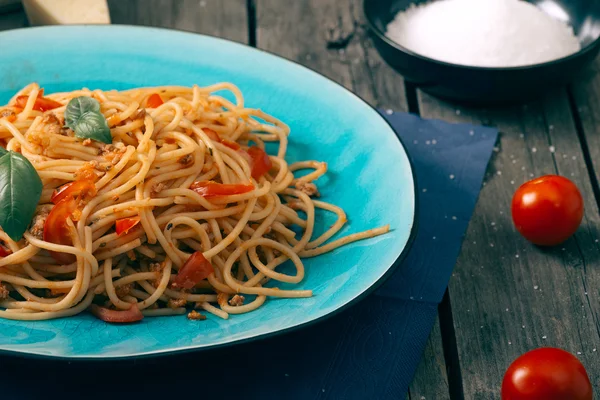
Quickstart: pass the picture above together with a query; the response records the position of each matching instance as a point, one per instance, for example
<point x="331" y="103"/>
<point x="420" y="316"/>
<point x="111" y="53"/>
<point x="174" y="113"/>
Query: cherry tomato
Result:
<point x="214" y="136"/>
<point x="547" y="210"/>
<point x="261" y="163"/>
<point x="82" y="187"/>
<point x="4" y="251"/>
<point x="41" y="103"/>
<point x="56" y="229"/>
<point x="154" y="101"/>
<point x="211" y="189"/>
<point x="133" y="314"/>
<point x="193" y="271"/>
<point x="546" y="374"/>
<point x="124" y="225"/>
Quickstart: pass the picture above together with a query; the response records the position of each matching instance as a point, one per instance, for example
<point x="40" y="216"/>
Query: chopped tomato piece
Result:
<point x="84" y="187"/>
<point x="56" y="229"/>
<point x="133" y="314"/>
<point x="124" y="225"/>
<point x="214" y="136"/>
<point x="211" y="189"/>
<point x="4" y="251"/>
<point x="59" y="292"/>
<point x="154" y="101"/>
<point x="195" y="269"/>
<point x="261" y="163"/>
<point x="41" y="103"/>
<point x="230" y="144"/>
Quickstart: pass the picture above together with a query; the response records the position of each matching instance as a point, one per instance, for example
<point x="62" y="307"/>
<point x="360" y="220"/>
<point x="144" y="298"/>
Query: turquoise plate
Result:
<point x="370" y="175"/>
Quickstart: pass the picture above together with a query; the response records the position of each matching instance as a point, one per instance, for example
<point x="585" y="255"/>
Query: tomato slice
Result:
<point x="82" y="187"/>
<point x="211" y="189"/>
<point x="154" y="101"/>
<point x="41" y="103"/>
<point x="124" y="225"/>
<point x="195" y="269"/>
<point x="56" y="229"/>
<point x="214" y="136"/>
<point x="4" y="251"/>
<point x="133" y="314"/>
<point x="230" y="144"/>
<point x="261" y="163"/>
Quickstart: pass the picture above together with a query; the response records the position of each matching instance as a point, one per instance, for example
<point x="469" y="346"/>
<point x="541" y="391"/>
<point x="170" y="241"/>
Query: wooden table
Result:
<point x="505" y="296"/>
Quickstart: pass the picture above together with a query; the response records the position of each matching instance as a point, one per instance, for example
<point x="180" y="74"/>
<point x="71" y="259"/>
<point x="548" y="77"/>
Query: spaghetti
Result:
<point x="184" y="209"/>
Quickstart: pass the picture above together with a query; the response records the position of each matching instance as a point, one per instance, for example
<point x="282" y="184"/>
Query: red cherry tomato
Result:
<point x="211" y="189"/>
<point x="195" y="269"/>
<point x="154" y="101"/>
<point x="546" y="374"/>
<point x="82" y="188"/>
<point x="124" y="225"/>
<point x="547" y="210"/>
<point x="56" y="229"/>
<point x="133" y="314"/>
<point x="41" y="103"/>
<point x="261" y="163"/>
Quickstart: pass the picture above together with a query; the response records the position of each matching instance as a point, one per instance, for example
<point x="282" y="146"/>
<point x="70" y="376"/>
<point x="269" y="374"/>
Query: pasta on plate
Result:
<point x="151" y="201"/>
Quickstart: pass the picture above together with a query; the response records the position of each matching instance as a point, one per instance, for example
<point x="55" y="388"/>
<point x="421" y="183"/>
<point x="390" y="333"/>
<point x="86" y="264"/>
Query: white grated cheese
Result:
<point x="484" y="33"/>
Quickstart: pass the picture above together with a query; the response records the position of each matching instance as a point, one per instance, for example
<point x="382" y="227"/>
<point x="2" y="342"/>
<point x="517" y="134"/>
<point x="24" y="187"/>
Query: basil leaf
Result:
<point x="84" y="117"/>
<point x="20" y="192"/>
<point x="3" y="151"/>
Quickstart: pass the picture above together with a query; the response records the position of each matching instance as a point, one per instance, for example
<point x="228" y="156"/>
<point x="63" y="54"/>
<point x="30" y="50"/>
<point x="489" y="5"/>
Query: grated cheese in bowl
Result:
<point x="483" y="33"/>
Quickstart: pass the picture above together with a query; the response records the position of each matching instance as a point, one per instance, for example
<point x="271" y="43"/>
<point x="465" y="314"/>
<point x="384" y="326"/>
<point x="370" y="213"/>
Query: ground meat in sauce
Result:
<point x="308" y="188"/>
<point x="4" y="292"/>
<point x="113" y="152"/>
<point x="89" y="170"/>
<point x="176" y="303"/>
<point x="196" y="316"/>
<point x="123" y="291"/>
<point x="39" y="219"/>
<point x="237" y="301"/>
<point x="10" y="115"/>
<point x="186" y="160"/>
<point x="158" y="268"/>
<point x="52" y="124"/>
<point x="157" y="188"/>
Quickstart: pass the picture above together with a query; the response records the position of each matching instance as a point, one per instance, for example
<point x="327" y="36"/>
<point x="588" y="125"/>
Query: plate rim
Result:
<point x="29" y="354"/>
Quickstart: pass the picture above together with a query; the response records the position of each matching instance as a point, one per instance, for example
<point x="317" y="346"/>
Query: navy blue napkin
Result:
<point x="369" y="351"/>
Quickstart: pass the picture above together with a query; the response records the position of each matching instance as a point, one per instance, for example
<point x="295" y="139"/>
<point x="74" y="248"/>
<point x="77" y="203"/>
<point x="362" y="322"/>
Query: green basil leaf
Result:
<point x="84" y="117"/>
<point x="3" y="151"/>
<point x="20" y="192"/>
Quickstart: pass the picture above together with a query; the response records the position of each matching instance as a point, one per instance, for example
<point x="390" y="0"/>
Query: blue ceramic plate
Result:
<point x="370" y="174"/>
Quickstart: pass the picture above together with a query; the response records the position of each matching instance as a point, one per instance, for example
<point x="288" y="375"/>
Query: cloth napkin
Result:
<point x="369" y="351"/>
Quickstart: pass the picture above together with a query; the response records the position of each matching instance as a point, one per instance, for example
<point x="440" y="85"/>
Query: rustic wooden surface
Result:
<point x="505" y="296"/>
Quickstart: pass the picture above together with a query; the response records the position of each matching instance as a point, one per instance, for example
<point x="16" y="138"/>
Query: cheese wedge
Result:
<point x="65" y="12"/>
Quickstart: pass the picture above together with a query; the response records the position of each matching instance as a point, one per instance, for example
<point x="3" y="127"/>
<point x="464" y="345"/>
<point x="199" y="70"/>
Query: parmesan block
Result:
<point x="65" y="12"/>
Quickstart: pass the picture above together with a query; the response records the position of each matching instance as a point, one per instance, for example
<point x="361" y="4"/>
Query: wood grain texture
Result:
<point x="507" y="295"/>
<point x="223" y="18"/>
<point x="302" y="31"/>
<point x="431" y="381"/>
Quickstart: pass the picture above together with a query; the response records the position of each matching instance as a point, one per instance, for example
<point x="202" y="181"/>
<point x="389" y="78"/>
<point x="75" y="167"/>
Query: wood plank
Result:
<point x="431" y="380"/>
<point x="509" y="296"/>
<point x="302" y="31"/>
<point x="226" y="19"/>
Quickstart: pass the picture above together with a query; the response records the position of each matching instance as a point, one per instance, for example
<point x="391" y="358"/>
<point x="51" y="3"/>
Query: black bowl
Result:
<point x="483" y="84"/>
